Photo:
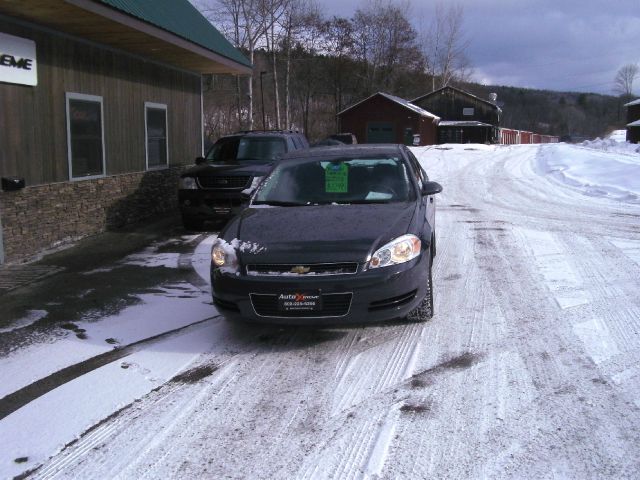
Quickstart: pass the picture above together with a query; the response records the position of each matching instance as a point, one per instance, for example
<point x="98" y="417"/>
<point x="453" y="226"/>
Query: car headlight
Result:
<point x="401" y="250"/>
<point x="187" y="183"/>
<point x="223" y="256"/>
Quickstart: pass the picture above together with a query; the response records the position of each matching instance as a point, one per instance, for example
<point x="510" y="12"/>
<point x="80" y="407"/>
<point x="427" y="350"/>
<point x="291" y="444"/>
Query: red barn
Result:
<point x="384" y="118"/>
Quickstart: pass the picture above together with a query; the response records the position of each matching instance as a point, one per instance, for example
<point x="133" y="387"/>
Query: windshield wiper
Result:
<point x="278" y="203"/>
<point x="364" y="202"/>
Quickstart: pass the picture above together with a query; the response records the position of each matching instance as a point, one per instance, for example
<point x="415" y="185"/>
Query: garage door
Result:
<point x="380" y="132"/>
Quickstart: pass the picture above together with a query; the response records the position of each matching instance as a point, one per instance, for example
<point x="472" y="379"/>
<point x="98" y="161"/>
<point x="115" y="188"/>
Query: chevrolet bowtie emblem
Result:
<point x="300" y="269"/>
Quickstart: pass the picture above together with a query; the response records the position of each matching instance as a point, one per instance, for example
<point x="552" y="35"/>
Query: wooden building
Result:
<point x="101" y="107"/>
<point x="633" y="121"/>
<point x="384" y="118"/>
<point x="466" y="118"/>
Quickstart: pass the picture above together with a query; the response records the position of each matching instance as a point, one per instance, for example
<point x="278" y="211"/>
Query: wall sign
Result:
<point x="18" y="60"/>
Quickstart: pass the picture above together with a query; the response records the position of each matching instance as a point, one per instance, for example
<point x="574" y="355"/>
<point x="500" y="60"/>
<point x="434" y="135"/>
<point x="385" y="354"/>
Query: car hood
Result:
<point x="318" y="234"/>
<point x="253" y="169"/>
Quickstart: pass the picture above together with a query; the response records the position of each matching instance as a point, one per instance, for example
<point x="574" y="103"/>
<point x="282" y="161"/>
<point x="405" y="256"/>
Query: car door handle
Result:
<point x="430" y="199"/>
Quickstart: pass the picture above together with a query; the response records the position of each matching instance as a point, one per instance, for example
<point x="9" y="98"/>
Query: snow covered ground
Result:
<point x="530" y="367"/>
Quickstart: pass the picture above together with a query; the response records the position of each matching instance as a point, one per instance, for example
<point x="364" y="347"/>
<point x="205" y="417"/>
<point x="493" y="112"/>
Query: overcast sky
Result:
<point x="572" y="45"/>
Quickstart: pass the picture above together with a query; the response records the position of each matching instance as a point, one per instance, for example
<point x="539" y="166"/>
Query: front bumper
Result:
<point x="210" y="205"/>
<point x="376" y="295"/>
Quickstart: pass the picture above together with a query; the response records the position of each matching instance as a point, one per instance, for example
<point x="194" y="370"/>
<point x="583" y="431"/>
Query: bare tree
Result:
<point x="385" y="42"/>
<point x="444" y="46"/>
<point x="623" y="83"/>
<point x="246" y="22"/>
<point x="300" y="15"/>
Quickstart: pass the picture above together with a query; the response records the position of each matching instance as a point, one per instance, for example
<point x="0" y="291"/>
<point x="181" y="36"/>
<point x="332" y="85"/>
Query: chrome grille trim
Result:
<point x="315" y="269"/>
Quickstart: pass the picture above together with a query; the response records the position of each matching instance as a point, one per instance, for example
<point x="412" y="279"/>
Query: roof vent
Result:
<point x="493" y="97"/>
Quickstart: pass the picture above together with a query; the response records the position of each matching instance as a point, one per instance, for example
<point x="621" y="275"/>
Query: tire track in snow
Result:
<point x="18" y="399"/>
<point x="171" y="403"/>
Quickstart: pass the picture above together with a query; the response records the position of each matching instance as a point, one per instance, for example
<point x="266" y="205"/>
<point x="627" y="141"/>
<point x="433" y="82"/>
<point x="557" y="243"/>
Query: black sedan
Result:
<point x="332" y="235"/>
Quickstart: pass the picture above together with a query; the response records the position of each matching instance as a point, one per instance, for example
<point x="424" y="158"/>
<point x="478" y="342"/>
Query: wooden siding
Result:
<point x="449" y="104"/>
<point x="33" y="132"/>
<point x="381" y="109"/>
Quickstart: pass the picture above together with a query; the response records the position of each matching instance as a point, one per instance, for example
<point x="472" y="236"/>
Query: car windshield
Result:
<point x="246" y="149"/>
<point x="337" y="181"/>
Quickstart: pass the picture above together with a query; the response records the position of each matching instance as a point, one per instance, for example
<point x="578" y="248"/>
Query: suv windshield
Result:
<point x="246" y="149"/>
<point x="359" y="180"/>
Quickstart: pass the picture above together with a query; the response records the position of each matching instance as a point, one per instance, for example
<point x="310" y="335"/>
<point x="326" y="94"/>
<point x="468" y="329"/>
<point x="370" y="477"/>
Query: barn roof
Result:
<point x="400" y="101"/>
<point x="635" y="102"/>
<point x="463" y="92"/>
<point x="634" y="124"/>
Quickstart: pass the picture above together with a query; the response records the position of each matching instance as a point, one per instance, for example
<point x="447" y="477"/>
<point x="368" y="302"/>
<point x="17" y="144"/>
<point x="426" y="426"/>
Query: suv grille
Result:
<point x="333" y="305"/>
<point x="237" y="181"/>
<point x="301" y="269"/>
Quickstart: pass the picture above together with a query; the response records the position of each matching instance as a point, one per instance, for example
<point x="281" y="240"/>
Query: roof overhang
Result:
<point x="462" y="123"/>
<point x="101" y="24"/>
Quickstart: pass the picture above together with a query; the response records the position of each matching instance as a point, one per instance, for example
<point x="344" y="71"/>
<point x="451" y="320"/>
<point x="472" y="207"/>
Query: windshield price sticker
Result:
<point x="336" y="178"/>
<point x="299" y="302"/>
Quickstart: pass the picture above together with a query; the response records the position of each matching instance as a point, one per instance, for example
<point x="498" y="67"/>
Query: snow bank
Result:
<point x="612" y="144"/>
<point x="600" y="168"/>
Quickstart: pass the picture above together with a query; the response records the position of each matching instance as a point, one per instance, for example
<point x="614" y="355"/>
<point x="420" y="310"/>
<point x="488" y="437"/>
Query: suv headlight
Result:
<point x="401" y="250"/>
<point x="187" y="183"/>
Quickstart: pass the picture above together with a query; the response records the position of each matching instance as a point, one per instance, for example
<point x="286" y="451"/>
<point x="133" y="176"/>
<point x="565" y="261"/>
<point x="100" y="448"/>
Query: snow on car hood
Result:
<point x="318" y="234"/>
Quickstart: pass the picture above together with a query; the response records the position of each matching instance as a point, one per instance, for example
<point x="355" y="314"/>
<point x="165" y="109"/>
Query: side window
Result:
<point x="296" y="141"/>
<point x="157" y="146"/>
<point x="420" y="173"/>
<point x="291" y="145"/>
<point x="85" y="136"/>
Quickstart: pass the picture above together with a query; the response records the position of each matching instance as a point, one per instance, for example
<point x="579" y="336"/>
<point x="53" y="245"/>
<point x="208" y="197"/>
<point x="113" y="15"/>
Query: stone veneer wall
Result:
<point x="42" y="217"/>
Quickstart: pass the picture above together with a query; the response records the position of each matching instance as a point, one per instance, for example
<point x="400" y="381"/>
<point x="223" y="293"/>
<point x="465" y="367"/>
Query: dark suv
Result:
<point x="234" y="165"/>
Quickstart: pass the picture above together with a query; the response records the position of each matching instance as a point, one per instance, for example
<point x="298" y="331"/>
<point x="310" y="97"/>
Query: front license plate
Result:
<point x="300" y="302"/>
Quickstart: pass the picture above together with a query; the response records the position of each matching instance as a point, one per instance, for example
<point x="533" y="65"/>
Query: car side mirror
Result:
<point x="431" y="188"/>
<point x="245" y="196"/>
<point x="200" y="160"/>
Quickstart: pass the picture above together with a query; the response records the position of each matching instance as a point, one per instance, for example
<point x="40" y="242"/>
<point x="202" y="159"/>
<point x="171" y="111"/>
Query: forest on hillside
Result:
<point x="308" y="67"/>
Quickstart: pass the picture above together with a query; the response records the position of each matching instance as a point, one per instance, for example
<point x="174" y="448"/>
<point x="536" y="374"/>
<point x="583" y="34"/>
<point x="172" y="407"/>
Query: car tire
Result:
<point x="191" y="224"/>
<point x="424" y="310"/>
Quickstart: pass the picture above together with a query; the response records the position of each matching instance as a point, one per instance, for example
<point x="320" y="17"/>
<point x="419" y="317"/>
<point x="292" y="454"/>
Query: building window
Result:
<point x="155" y="120"/>
<point x="467" y="112"/>
<point x="85" y="136"/>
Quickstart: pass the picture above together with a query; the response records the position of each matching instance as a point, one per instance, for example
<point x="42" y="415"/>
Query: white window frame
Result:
<point x="157" y="106"/>
<point x="89" y="98"/>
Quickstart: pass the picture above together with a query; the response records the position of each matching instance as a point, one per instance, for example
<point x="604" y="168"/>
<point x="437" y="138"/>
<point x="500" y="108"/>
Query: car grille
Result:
<point x="333" y="305"/>
<point x="392" y="302"/>
<point x="298" y="269"/>
<point x="236" y="181"/>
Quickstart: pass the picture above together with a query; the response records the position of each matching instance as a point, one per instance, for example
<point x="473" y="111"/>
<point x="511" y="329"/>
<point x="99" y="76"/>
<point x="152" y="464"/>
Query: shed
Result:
<point x="385" y="118"/>
<point x="101" y="109"/>
<point x="452" y="104"/>
<point x="633" y="121"/>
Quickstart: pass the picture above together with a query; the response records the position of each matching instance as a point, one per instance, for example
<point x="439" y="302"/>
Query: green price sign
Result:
<point x="336" y="178"/>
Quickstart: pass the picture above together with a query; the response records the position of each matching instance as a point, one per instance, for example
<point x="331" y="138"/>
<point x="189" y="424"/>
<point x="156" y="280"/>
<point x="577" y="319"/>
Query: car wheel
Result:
<point x="424" y="310"/>
<point x="191" y="224"/>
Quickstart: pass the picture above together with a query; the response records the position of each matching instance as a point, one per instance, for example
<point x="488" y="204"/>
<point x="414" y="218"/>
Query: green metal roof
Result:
<point x="183" y="19"/>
